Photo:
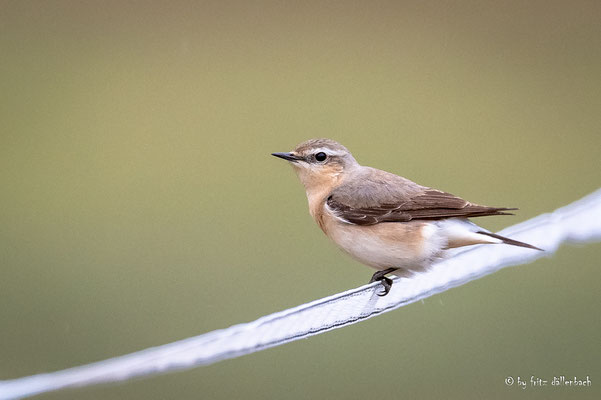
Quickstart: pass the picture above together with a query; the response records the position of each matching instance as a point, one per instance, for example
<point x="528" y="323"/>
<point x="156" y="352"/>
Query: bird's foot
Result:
<point x="381" y="277"/>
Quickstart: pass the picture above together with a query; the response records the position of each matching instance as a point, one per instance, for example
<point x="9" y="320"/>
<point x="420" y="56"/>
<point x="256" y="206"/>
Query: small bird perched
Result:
<point x="381" y="219"/>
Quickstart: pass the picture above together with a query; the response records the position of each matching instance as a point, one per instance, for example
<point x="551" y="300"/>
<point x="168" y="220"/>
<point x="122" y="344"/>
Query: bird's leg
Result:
<point x="386" y="282"/>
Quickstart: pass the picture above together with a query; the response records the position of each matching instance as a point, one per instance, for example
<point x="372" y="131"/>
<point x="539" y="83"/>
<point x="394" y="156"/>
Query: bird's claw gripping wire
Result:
<point x="381" y="277"/>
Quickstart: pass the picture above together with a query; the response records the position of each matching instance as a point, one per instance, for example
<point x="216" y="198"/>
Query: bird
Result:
<point x="381" y="219"/>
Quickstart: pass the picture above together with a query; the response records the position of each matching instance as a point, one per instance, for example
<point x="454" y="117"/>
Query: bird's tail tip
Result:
<point x="512" y="242"/>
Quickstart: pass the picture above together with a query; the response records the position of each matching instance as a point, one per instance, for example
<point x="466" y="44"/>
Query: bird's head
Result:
<point x="320" y="163"/>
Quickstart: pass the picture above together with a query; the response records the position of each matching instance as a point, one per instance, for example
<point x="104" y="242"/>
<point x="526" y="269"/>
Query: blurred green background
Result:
<point x="140" y="204"/>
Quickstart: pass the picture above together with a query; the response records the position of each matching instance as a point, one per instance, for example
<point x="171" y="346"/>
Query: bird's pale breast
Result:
<point x="410" y="246"/>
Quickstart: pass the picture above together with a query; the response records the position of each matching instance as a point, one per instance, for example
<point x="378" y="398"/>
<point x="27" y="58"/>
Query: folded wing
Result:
<point x="383" y="197"/>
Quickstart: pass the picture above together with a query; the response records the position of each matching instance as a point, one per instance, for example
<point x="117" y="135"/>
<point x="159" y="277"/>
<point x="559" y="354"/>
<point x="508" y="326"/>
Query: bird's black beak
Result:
<point x="287" y="156"/>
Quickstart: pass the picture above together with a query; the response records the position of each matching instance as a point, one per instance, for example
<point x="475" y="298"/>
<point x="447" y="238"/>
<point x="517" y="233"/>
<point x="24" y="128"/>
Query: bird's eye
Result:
<point x="321" y="156"/>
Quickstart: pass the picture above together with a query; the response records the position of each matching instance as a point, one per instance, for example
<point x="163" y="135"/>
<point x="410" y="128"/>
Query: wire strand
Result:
<point x="579" y="222"/>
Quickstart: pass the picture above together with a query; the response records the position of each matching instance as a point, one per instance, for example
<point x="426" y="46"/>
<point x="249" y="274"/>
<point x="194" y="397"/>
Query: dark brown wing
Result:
<point x="378" y="200"/>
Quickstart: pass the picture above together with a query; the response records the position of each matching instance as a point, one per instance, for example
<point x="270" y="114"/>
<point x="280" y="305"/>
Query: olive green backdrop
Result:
<point x="139" y="204"/>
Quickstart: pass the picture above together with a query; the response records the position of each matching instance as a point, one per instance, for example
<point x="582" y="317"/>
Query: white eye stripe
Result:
<point x="329" y="152"/>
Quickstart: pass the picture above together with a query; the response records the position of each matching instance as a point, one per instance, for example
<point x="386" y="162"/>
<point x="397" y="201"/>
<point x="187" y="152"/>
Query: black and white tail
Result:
<point x="509" y="241"/>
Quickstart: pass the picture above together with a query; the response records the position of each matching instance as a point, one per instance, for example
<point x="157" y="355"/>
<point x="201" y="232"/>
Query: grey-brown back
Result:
<point x="370" y="196"/>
